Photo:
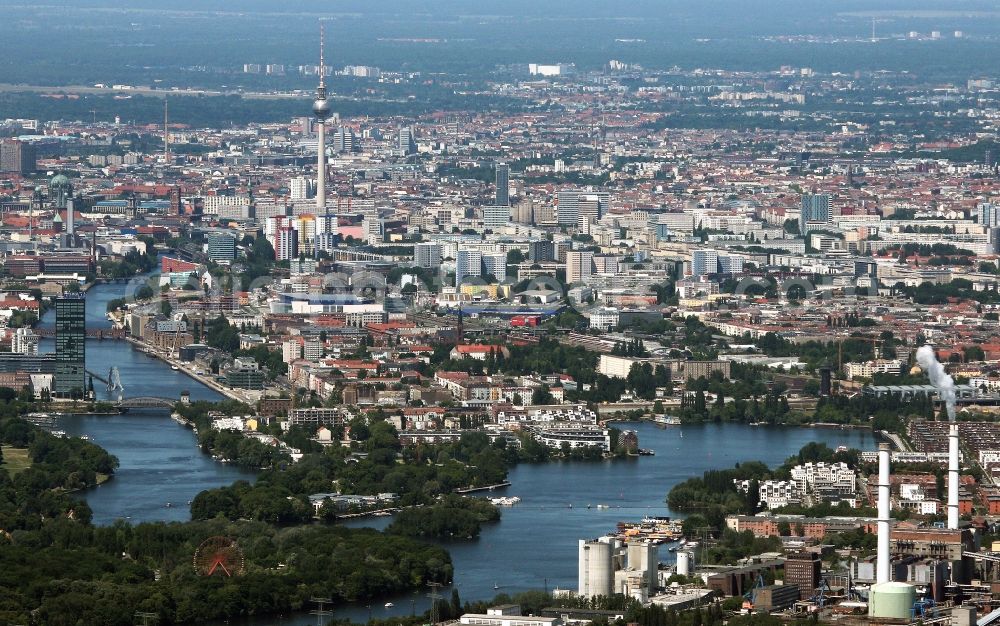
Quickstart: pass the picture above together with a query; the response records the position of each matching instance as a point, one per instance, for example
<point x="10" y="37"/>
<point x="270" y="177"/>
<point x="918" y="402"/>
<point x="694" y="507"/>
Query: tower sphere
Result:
<point x="321" y="108"/>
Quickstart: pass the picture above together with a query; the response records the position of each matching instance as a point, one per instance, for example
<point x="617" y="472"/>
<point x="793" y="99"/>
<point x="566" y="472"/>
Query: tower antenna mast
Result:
<point x="166" y="133"/>
<point x="321" y="109"/>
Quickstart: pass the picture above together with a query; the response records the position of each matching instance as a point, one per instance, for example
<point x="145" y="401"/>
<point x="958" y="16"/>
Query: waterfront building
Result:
<point x="818" y="481"/>
<point x="24" y="341"/>
<point x="245" y="374"/>
<point x="71" y="345"/>
<point x="574" y="437"/>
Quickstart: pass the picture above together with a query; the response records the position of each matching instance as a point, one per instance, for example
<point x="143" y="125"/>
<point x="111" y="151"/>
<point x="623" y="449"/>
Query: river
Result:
<point x="161" y="466"/>
<point x="535" y="544"/>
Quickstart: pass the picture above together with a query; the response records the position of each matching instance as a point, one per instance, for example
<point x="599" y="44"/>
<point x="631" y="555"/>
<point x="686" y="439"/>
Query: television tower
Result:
<point x="321" y="109"/>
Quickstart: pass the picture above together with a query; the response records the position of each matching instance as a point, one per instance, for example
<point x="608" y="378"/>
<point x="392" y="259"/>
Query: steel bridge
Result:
<point x="92" y="333"/>
<point x="146" y="402"/>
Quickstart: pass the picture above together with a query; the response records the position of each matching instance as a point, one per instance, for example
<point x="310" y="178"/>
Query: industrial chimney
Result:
<point x="882" y="561"/>
<point x="952" y="477"/>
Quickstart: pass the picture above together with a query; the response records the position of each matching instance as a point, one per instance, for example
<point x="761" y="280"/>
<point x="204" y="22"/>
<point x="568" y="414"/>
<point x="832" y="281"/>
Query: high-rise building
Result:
<point x="305" y="226"/>
<point x="731" y="263"/>
<point x="989" y="214"/>
<point x="427" y="255"/>
<point x="344" y="140"/>
<point x="495" y="264"/>
<point x="286" y="243"/>
<point x="221" y="247"/>
<point x="300" y="188"/>
<point x="503" y="184"/>
<point x="815" y="208"/>
<point x="496" y="216"/>
<point x="468" y="263"/>
<point x="579" y="265"/>
<point x="407" y="144"/>
<point x="543" y="250"/>
<point x="568" y="210"/>
<point x="17" y="157"/>
<point x="71" y="346"/>
<point x="704" y="262"/>
<point x="374" y="229"/>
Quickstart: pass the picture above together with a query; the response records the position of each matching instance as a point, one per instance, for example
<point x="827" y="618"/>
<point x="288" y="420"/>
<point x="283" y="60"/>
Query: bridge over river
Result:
<point x="113" y="383"/>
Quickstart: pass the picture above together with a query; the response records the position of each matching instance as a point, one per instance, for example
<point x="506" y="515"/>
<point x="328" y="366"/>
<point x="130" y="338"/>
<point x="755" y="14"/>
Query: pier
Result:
<point x="505" y="483"/>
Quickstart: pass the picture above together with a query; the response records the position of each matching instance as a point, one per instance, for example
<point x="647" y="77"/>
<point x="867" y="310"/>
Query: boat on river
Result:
<point x="505" y="501"/>
<point x="667" y="420"/>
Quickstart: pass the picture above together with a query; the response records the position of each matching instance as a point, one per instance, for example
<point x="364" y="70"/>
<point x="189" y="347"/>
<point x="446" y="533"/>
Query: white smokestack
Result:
<point x="939" y="378"/>
<point x="882" y="561"/>
<point x="953" y="476"/>
<point x="69" y="217"/>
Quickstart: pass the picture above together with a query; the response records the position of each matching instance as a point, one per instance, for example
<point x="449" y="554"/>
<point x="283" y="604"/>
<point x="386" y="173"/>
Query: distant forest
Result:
<point x="201" y="42"/>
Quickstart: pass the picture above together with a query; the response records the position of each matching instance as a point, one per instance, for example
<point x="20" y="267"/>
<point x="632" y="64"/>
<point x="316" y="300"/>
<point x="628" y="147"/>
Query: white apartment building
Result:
<point x="870" y="368"/>
<point x="774" y="494"/>
<point x="812" y="478"/>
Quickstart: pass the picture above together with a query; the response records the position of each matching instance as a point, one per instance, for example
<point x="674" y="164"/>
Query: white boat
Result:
<point x="667" y="420"/>
<point x="389" y="605"/>
<point x="174" y="367"/>
<point x="505" y="501"/>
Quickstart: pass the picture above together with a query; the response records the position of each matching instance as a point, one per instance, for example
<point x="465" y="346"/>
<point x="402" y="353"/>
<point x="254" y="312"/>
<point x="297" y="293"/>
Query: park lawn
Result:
<point x="15" y="460"/>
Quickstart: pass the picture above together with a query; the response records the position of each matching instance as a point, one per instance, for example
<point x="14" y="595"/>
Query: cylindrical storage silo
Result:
<point x="684" y="563"/>
<point x="891" y="600"/>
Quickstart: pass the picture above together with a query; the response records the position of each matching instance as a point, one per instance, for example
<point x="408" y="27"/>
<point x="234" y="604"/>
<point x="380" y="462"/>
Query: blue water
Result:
<point x="141" y="374"/>
<point x="533" y="546"/>
<point x="160" y="462"/>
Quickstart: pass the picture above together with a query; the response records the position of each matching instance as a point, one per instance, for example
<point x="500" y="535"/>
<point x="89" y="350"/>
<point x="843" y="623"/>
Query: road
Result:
<point x="897" y="441"/>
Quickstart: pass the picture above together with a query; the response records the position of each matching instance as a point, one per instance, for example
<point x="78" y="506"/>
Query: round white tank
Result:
<point x="684" y="563"/>
<point x="891" y="600"/>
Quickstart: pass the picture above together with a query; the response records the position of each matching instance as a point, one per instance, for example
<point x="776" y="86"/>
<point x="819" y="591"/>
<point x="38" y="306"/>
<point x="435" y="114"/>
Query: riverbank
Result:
<point x="185" y="368"/>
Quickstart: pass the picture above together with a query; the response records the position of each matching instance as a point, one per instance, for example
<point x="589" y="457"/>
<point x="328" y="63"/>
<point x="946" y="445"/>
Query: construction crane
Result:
<point x="821" y="590"/>
<point x="923" y="608"/>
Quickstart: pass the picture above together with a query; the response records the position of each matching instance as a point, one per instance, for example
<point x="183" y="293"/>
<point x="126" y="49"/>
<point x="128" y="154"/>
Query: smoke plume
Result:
<point x="939" y="378"/>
